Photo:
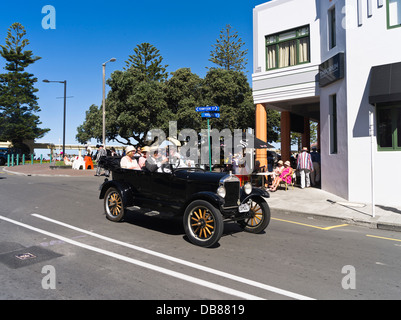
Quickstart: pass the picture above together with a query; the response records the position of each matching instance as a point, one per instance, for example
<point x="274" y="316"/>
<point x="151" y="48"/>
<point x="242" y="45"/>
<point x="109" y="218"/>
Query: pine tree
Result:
<point x="228" y="52"/>
<point x="148" y="61"/>
<point x="18" y="101"/>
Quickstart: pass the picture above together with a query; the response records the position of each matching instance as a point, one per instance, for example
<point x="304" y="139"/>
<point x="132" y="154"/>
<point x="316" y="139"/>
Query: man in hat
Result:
<point x="101" y="153"/>
<point x="144" y="155"/>
<point x="129" y="161"/>
<point x="305" y="166"/>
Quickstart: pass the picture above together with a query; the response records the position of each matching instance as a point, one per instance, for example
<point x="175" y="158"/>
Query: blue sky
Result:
<point x="89" y="33"/>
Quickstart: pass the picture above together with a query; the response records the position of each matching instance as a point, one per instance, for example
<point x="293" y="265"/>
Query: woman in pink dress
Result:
<point x="286" y="176"/>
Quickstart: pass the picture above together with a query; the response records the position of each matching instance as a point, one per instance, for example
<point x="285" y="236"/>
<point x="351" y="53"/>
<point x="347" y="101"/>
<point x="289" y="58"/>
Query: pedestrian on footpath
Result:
<point x="305" y="166"/>
<point x="101" y="153"/>
<point x="315" y="174"/>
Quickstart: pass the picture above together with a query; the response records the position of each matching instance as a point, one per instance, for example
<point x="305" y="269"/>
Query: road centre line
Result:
<point x="311" y="226"/>
<point x="383" y="238"/>
<point x="168" y="272"/>
<point x="181" y="261"/>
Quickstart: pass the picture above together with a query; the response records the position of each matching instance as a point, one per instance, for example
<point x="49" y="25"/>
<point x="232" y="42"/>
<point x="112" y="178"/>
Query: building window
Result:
<point x="288" y="48"/>
<point x="389" y="128"/>
<point x="333" y="124"/>
<point x="393" y="13"/>
<point x="332" y="28"/>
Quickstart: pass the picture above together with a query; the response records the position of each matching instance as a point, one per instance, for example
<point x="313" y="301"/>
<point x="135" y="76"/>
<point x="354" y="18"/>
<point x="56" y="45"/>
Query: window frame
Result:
<point x="332" y="27"/>
<point x="333" y="124"/>
<point x="388" y="16"/>
<point x="276" y="43"/>
<point x="394" y="109"/>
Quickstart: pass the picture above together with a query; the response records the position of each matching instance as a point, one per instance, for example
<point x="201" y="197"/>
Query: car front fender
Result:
<point x="254" y="194"/>
<point x="124" y="188"/>
<point x="208" y="196"/>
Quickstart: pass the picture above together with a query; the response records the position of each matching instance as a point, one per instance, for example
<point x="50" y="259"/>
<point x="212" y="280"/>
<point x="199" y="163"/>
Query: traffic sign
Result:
<point x="210" y="115"/>
<point x="207" y="109"/>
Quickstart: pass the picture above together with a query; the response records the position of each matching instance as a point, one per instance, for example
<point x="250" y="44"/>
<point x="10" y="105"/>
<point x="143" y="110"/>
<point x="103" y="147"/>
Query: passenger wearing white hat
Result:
<point x="129" y="161"/>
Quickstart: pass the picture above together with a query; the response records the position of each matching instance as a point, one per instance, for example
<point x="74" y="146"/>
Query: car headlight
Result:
<point x="221" y="191"/>
<point x="248" y="188"/>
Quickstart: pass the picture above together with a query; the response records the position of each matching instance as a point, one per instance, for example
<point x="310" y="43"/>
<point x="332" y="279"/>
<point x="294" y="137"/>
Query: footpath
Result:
<point x="309" y="202"/>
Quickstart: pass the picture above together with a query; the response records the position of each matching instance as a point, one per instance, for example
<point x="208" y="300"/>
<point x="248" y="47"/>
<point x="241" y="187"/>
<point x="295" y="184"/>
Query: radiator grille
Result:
<point x="232" y="193"/>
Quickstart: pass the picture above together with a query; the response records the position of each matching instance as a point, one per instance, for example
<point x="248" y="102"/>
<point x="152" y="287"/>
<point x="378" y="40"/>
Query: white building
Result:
<point x="335" y="61"/>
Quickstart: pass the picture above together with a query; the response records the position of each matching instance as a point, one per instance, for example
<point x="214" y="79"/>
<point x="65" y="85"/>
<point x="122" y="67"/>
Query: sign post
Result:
<point x="372" y="163"/>
<point x="209" y="112"/>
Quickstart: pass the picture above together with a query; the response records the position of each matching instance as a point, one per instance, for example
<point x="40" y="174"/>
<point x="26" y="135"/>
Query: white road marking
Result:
<point x="149" y="266"/>
<point x="183" y="262"/>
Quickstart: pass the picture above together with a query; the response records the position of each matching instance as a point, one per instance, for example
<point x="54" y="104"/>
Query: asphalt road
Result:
<point x="56" y="243"/>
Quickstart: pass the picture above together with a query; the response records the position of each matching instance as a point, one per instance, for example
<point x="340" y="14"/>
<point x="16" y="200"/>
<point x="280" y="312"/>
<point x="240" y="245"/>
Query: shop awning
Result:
<point x="385" y="84"/>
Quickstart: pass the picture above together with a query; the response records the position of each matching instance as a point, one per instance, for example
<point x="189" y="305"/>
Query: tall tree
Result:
<point x="230" y="91"/>
<point x="18" y="101"/>
<point x="183" y="95"/>
<point x="136" y="102"/>
<point x="228" y="52"/>
<point x="148" y="61"/>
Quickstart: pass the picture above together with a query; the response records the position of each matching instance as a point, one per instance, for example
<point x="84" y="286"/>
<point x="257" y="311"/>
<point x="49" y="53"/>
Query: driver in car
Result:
<point x="154" y="161"/>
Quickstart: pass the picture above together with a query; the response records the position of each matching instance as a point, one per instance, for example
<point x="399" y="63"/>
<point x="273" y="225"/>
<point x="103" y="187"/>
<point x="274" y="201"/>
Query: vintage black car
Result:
<point x="204" y="199"/>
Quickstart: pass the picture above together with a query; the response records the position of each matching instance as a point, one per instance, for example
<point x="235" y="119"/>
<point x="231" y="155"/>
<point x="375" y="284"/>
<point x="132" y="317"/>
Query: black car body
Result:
<point x="204" y="199"/>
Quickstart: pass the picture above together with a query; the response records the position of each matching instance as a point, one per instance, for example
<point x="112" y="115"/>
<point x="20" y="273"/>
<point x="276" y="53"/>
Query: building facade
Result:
<point x="337" y="62"/>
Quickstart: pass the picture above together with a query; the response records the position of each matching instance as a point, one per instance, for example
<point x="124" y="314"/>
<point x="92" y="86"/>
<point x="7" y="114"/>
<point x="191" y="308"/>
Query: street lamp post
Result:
<point x="65" y="105"/>
<point x="104" y="101"/>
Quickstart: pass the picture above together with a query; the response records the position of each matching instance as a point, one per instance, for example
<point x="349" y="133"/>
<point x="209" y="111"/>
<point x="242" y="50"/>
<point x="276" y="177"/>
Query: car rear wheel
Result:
<point x="259" y="216"/>
<point x="113" y="205"/>
<point x="203" y="223"/>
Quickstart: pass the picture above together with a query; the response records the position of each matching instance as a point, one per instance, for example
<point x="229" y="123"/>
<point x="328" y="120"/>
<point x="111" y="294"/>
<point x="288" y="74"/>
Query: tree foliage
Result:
<point x="228" y="52"/>
<point x="183" y="95"/>
<point x="18" y="102"/>
<point x="141" y="98"/>
<point x="230" y="91"/>
<point x="136" y="102"/>
<point x="148" y="61"/>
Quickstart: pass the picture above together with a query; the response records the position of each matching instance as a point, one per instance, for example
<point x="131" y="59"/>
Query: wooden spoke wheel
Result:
<point x="203" y="223"/>
<point x="259" y="216"/>
<point x="113" y="205"/>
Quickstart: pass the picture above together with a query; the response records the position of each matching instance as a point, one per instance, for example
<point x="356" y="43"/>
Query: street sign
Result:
<point x="207" y="109"/>
<point x="210" y="115"/>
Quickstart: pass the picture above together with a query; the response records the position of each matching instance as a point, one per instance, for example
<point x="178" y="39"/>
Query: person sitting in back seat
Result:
<point x="129" y="161"/>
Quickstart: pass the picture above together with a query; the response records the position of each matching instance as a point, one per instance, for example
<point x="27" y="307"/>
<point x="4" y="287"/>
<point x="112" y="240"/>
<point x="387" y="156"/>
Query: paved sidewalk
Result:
<point x="45" y="170"/>
<point x="317" y="203"/>
<point x="310" y="202"/>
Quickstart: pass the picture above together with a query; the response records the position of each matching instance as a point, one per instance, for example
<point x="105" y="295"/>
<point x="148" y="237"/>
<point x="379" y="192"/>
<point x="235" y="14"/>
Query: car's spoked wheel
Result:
<point x="203" y="223"/>
<point x="259" y="216"/>
<point x="113" y="205"/>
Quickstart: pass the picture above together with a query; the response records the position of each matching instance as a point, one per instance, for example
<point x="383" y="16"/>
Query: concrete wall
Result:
<point x="369" y="43"/>
<point x="334" y="166"/>
<point x="292" y="82"/>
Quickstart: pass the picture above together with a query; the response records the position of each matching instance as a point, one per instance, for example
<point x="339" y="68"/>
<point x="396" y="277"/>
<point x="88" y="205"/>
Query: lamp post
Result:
<point x="65" y="104"/>
<point x="104" y="100"/>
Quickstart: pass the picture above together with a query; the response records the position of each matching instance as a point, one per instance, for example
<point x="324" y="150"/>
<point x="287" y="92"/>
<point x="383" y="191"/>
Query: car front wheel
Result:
<point x="259" y="216"/>
<point x="203" y="223"/>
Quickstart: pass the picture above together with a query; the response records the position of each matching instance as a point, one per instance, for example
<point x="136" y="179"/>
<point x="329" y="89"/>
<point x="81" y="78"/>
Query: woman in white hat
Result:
<point x="129" y="162"/>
